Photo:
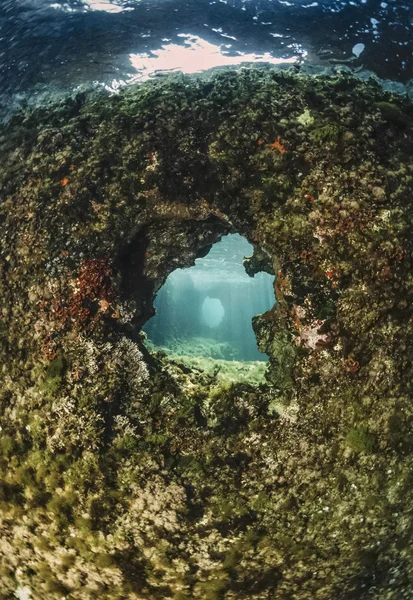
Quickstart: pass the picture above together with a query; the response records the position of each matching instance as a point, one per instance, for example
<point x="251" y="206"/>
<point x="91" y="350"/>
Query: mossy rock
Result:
<point x="329" y="133"/>
<point x="56" y="368"/>
<point x="391" y="112"/>
<point x="360" y="440"/>
<point x="144" y="466"/>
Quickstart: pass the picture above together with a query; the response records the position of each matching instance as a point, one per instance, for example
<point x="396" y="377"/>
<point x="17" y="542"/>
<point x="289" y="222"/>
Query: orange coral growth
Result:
<point x="96" y="206"/>
<point x="104" y="305"/>
<point x="386" y="272"/>
<point x="399" y="254"/>
<point x="297" y="325"/>
<point x="49" y="348"/>
<point x="306" y="254"/>
<point x="351" y="366"/>
<point x="278" y="146"/>
<point x="60" y="314"/>
<point x="279" y="284"/>
<point x="93" y="285"/>
<point x="84" y="307"/>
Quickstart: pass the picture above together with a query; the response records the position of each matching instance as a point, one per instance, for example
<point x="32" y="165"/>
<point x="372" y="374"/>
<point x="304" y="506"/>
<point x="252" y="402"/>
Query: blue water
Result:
<point x="215" y="301"/>
<point x="50" y="46"/>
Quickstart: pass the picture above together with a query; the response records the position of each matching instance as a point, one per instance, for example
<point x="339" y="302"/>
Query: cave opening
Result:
<point x="204" y="312"/>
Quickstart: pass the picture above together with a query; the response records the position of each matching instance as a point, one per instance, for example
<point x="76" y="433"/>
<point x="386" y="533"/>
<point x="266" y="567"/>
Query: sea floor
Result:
<point x="211" y="357"/>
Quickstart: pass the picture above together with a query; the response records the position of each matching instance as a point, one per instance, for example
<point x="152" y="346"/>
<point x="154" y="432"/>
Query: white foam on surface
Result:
<point x="193" y="56"/>
<point x="358" y="49"/>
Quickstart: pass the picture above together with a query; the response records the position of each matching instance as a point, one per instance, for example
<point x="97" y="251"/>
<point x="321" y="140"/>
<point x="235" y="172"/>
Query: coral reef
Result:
<point x="127" y="475"/>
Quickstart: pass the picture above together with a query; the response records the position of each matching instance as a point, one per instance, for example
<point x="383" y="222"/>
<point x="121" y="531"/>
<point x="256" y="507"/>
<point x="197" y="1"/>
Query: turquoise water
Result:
<point x="206" y="310"/>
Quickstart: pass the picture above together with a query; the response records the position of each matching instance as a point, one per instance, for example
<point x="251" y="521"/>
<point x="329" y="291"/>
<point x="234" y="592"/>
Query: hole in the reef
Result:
<point x="204" y="313"/>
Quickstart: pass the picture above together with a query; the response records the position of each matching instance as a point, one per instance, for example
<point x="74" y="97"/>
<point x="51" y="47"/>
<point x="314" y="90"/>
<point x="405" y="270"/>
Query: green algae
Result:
<point x="140" y="475"/>
<point x="211" y="357"/>
<point x="306" y="118"/>
<point x="393" y="113"/>
<point x="326" y="133"/>
<point x="56" y="368"/>
<point x="360" y="440"/>
<point x="226" y="370"/>
<point x="198" y="347"/>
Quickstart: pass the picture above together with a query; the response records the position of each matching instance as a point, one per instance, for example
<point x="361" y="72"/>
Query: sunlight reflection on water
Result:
<point x="57" y="46"/>
<point x="194" y="56"/>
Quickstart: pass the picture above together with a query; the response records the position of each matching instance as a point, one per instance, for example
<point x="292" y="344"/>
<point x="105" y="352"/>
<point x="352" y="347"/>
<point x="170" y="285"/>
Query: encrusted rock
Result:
<point x="125" y="475"/>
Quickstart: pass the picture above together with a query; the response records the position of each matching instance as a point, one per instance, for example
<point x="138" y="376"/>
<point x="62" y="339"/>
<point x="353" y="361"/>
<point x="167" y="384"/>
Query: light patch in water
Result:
<point x="105" y="6"/>
<point x="194" y="56"/>
<point x="221" y="32"/>
<point x="358" y="49"/>
<point x="23" y="593"/>
<point x="109" y="6"/>
<point x="212" y="312"/>
<point x="64" y="7"/>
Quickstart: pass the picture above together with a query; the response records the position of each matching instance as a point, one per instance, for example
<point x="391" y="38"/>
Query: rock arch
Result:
<point x="142" y="480"/>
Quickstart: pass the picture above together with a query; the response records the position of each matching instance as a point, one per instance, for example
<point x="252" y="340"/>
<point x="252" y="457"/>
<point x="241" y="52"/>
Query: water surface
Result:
<point x="49" y="45"/>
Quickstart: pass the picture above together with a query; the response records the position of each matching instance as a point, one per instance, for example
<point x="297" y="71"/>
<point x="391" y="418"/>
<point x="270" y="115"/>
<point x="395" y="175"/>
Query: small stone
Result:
<point x="379" y="194"/>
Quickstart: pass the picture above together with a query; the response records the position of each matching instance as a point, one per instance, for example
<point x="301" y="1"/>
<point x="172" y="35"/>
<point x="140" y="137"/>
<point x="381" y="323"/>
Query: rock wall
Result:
<point x="124" y="475"/>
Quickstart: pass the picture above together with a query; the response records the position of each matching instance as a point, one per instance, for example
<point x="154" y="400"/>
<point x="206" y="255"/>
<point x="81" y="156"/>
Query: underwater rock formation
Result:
<point x="126" y="475"/>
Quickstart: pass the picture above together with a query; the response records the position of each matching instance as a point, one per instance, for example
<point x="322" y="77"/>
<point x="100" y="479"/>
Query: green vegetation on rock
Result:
<point x="360" y="440"/>
<point x="326" y="133"/>
<point x="128" y="474"/>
